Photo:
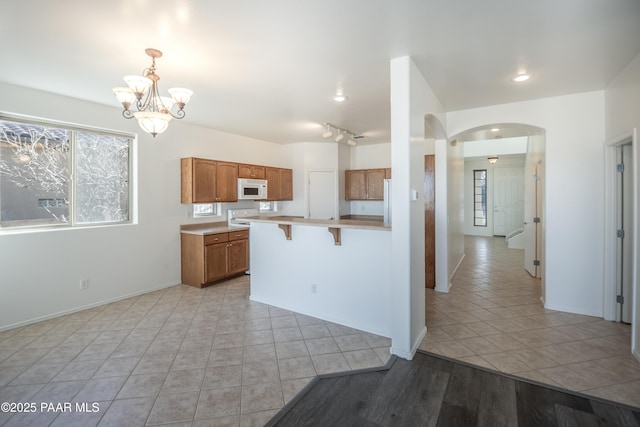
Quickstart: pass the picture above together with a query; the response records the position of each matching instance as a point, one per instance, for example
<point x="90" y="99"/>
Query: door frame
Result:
<point x="610" y="238"/>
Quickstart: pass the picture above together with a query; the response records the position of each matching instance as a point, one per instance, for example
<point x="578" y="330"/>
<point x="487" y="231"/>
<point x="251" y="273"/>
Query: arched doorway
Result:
<point x="533" y="175"/>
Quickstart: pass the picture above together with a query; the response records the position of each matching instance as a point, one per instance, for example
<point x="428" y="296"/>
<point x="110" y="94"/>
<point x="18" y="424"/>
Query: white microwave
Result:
<point x="252" y="189"/>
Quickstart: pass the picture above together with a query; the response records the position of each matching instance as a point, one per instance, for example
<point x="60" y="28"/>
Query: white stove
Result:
<point x="235" y="217"/>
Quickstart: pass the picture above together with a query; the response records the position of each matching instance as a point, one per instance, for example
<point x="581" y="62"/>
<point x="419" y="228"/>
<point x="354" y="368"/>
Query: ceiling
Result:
<point x="269" y="69"/>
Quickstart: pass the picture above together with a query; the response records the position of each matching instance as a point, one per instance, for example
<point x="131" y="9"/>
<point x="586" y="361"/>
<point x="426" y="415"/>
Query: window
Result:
<point x="480" y="198"/>
<point x="206" y="209"/>
<point x="266" y="207"/>
<point x="38" y="161"/>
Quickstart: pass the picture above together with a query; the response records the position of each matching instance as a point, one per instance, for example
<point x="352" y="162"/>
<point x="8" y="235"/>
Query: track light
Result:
<point x="341" y="134"/>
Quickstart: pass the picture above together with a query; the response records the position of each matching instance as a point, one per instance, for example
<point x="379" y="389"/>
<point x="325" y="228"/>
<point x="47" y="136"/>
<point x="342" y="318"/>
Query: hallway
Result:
<point x="493" y="317"/>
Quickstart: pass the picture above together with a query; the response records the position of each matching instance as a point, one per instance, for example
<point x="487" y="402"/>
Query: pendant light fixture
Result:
<point x="154" y="111"/>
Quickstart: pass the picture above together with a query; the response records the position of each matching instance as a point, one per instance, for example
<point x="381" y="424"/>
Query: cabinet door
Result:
<point x="244" y="171"/>
<point x="238" y="256"/>
<point x="273" y="183"/>
<point x="203" y="182"/>
<point x="375" y="184"/>
<point x="258" y="172"/>
<point x="356" y="185"/>
<point x="251" y="171"/>
<point x="227" y="185"/>
<point x="215" y="262"/>
<point x="286" y="184"/>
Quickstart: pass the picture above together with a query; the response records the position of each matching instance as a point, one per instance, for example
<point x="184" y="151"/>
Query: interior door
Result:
<point x="624" y="209"/>
<point x="530" y="225"/>
<point x="323" y="197"/>
<point x="508" y="195"/>
<point x="429" y="221"/>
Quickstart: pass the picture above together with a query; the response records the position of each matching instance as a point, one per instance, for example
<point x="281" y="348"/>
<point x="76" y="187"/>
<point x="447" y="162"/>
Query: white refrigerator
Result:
<point x="387" y="201"/>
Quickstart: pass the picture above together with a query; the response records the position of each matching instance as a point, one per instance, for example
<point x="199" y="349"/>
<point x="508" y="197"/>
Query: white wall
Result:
<point x="40" y="271"/>
<point x="411" y="100"/>
<point x="622" y="108"/>
<point x="369" y="156"/>
<point x="306" y="156"/>
<point x="574" y="126"/>
<point x="353" y="283"/>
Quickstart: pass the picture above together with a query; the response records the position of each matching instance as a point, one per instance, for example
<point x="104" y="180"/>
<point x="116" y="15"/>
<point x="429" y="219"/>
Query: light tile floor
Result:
<point x="181" y="356"/>
<point x="493" y="317"/>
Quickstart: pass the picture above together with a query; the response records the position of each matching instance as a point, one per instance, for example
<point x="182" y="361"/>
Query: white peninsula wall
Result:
<point x="349" y="284"/>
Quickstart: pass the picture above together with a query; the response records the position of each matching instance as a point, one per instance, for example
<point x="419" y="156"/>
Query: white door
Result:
<point x="323" y="196"/>
<point x="530" y="224"/>
<point x="624" y="270"/>
<point x="508" y="200"/>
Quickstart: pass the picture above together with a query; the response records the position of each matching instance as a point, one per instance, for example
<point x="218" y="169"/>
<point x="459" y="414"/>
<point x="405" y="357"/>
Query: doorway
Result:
<point x="624" y="232"/>
<point x="508" y="200"/>
<point x="510" y="142"/>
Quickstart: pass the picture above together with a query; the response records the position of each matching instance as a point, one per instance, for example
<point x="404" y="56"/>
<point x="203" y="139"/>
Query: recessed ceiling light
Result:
<point x="339" y="98"/>
<point x="495" y="129"/>
<point x="522" y="77"/>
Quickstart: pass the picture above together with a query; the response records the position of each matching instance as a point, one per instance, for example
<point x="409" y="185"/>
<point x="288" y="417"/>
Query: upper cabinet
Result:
<point x="251" y="171"/>
<point x="279" y="184"/>
<point x="365" y="184"/>
<point x="208" y="181"/>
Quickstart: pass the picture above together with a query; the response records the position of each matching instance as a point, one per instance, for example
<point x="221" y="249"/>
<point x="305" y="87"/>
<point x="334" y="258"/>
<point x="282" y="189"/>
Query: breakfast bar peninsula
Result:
<point x="335" y="270"/>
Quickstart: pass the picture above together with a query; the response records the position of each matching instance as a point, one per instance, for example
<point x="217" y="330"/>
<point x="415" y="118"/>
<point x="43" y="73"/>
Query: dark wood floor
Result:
<point x="435" y="391"/>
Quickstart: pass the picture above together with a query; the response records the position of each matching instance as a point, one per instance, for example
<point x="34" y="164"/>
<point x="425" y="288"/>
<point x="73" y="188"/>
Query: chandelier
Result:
<point x="154" y="111"/>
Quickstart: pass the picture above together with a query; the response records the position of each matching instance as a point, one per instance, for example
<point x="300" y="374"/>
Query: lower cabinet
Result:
<point x="212" y="257"/>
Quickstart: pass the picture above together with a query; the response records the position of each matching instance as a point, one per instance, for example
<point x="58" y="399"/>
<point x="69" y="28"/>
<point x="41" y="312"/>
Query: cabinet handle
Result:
<point x="216" y="239"/>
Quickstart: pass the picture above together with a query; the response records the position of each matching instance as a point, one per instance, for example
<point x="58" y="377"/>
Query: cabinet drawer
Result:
<point x="212" y="239"/>
<point x="238" y="235"/>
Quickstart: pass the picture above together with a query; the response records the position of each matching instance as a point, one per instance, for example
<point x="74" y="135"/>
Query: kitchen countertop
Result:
<point x="331" y="223"/>
<point x="209" y="228"/>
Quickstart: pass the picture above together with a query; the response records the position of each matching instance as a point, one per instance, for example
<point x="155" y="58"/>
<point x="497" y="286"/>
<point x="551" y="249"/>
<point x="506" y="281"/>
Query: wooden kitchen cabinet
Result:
<point x="365" y="184"/>
<point x="212" y="257"/>
<point x="251" y="171"/>
<point x="279" y="184"/>
<point x="208" y="181"/>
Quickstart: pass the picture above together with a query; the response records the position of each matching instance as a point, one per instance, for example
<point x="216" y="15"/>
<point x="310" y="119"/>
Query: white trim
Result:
<point x="414" y="348"/>
<point x="609" y="305"/>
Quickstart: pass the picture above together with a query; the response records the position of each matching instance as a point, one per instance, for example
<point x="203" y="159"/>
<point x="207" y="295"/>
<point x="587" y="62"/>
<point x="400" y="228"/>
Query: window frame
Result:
<point x="72" y="190"/>
<point x="483" y="198"/>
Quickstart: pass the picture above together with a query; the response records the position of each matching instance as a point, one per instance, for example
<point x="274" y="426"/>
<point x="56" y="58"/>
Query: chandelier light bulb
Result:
<point x="153" y="111"/>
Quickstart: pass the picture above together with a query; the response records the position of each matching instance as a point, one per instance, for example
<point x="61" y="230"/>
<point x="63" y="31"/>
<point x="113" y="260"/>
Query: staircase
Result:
<point x="515" y="239"/>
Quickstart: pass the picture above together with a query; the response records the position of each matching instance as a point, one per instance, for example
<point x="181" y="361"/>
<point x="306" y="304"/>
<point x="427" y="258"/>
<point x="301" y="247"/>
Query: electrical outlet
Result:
<point x="84" y="284"/>
<point x="314" y="288"/>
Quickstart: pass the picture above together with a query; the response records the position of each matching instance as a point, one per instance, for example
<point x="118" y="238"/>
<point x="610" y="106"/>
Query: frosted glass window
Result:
<point x="37" y="163"/>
